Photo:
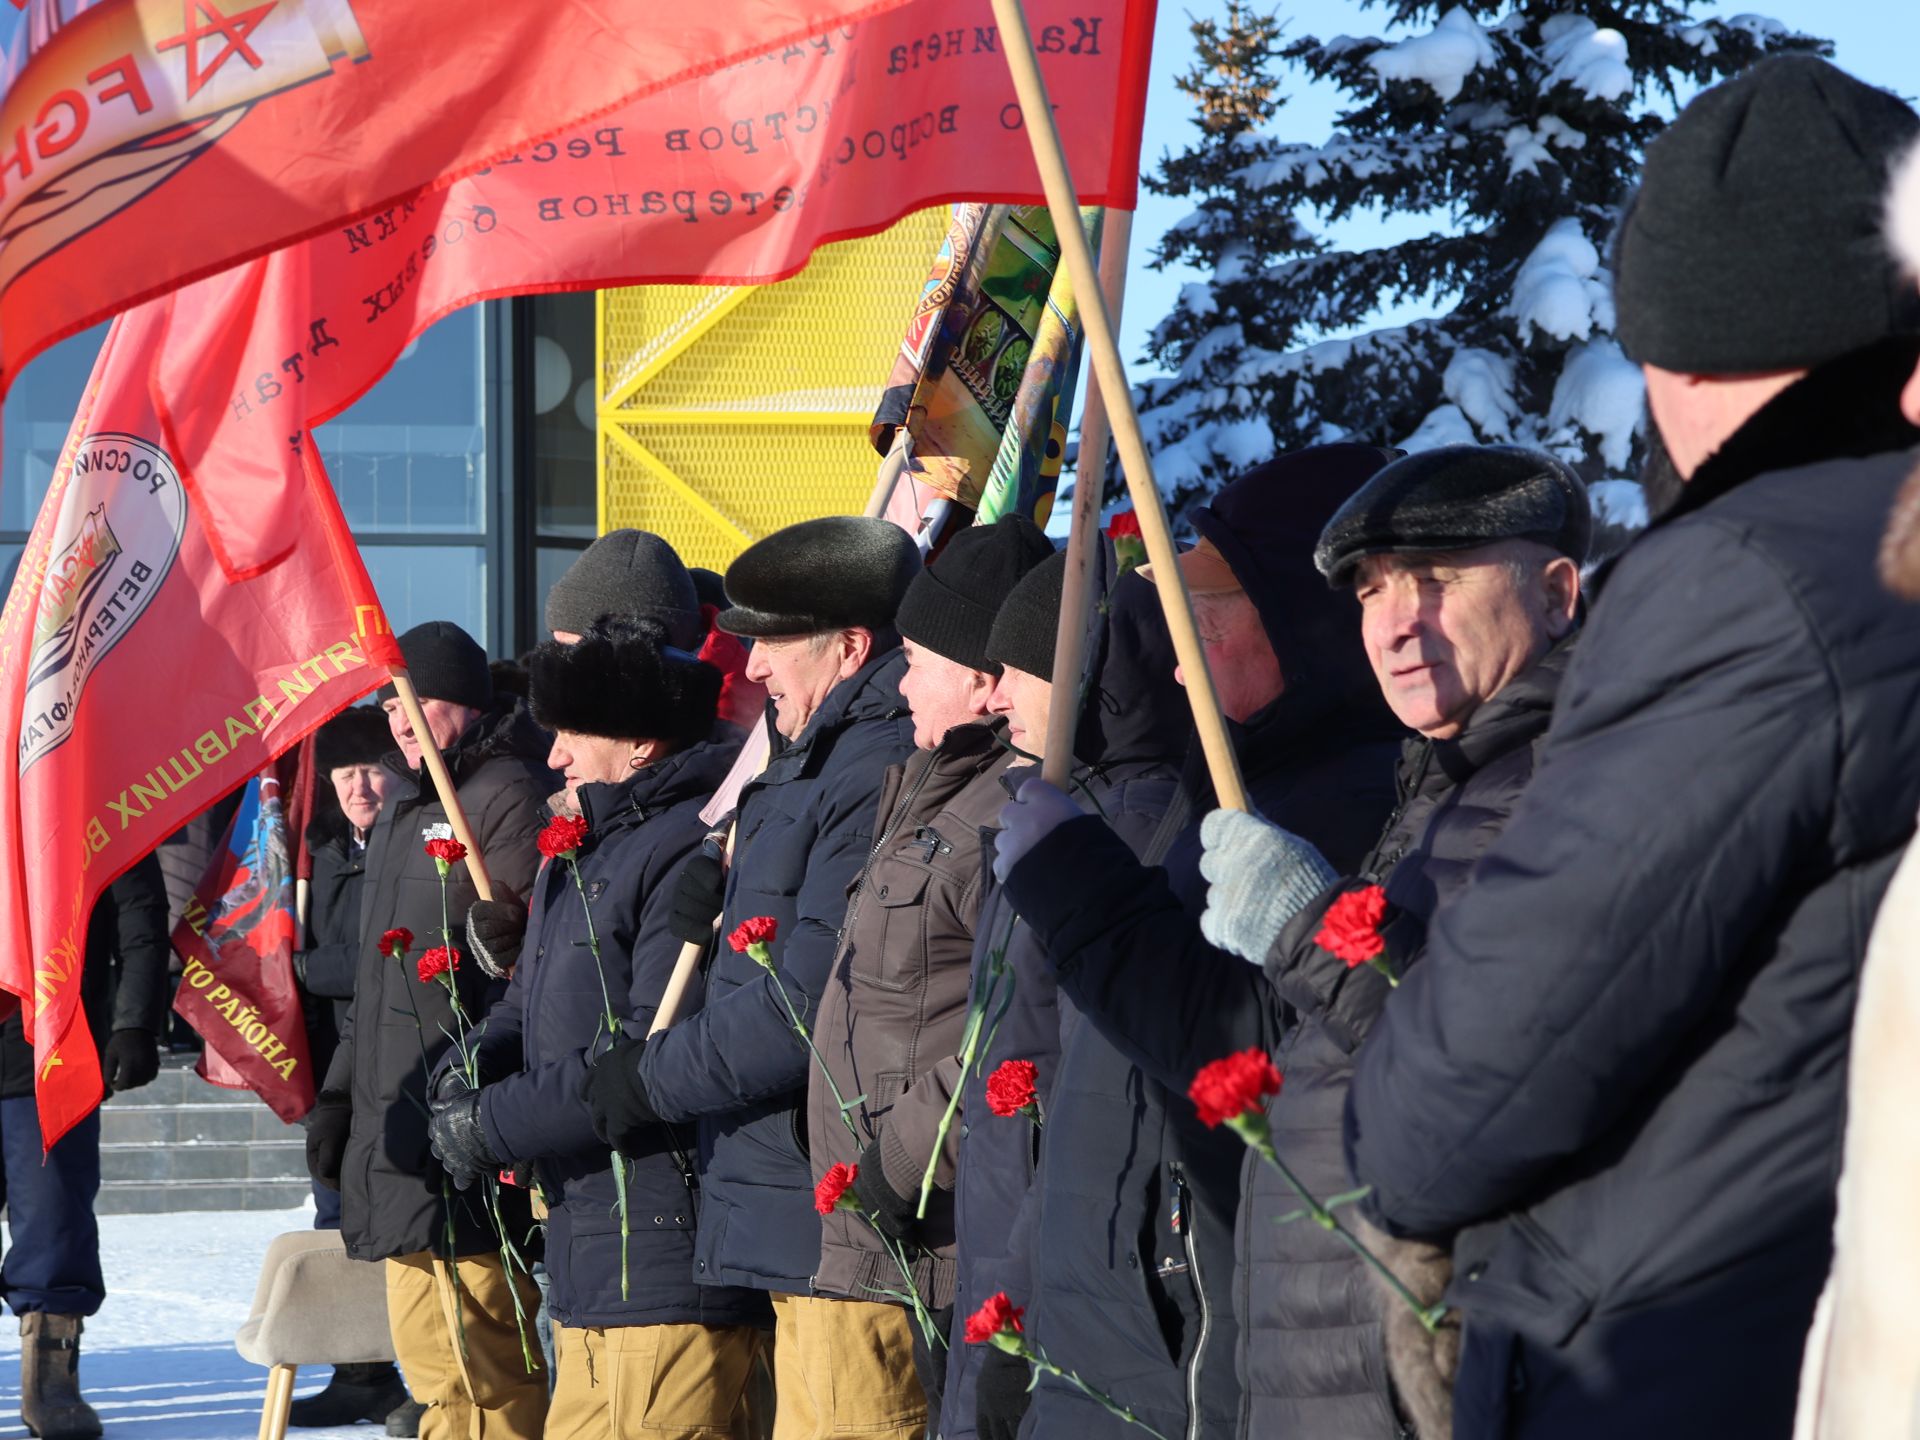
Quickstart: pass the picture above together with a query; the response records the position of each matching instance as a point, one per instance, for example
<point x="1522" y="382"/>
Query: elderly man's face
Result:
<point x="1446" y="632"/>
<point x="1246" y="672"/>
<point x="800" y="671"/>
<point x="941" y="693"/>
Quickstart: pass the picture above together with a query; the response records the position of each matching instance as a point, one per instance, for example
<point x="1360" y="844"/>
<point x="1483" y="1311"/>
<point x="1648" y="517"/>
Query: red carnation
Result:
<point x="833" y="1187"/>
<point x="998" y="1316"/>
<point x="561" y="838"/>
<point x="396" y="943"/>
<point x="1233" y="1086"/>
<point x="1127" y="522"/>
<point x="1351" y="927"/>
<point x="1010" y="1089"/>
<point x="436" y="962"/>
<point x="446" y="852"/>
<point x="758" y="931"/>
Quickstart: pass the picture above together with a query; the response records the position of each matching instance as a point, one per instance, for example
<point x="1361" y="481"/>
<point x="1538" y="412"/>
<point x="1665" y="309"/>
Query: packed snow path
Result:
<point x="158" y="1361"/>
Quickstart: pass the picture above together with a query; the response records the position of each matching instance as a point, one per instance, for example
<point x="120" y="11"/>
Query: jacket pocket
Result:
<point x="1520" y="1276"/>
<point x="890" y="951"/>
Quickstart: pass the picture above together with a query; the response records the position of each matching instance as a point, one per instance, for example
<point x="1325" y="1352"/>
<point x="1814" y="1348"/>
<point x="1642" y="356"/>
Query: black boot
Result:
<point x="404" y="1421"/>
<point x="355" y="1393"/>
<point x="50" y="1403"/>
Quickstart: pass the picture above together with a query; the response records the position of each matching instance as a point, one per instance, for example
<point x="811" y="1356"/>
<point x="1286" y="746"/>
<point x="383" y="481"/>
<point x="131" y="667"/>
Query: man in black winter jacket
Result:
<point x="51" y="1275"/>
<point x="819" y="600"/>
<point x="367" y="1134"/>
<point x="1619" y="1073"/>
<point x="1133" y="1272"/>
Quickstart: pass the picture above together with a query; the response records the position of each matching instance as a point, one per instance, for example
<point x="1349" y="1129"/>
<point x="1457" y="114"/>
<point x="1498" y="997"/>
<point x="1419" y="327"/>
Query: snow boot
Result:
<point x="355" y="1393"/>
<point x="50" y="1403"/>
<point x="404" y="1421"/>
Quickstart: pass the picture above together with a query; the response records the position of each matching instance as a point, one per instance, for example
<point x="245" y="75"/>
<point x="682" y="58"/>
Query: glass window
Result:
<point x="410" y="455"/>
<point x="417" y="583"/>
<point x="38" y="415"/>
<point x="562" y="399"/>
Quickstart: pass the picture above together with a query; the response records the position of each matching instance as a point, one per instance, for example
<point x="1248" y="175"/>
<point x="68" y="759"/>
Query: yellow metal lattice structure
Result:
<point x="726" y="412"/>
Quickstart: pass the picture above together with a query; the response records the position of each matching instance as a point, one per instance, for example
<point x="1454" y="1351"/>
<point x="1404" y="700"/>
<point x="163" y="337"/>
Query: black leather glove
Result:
<point x="622" y="1115"/>
<point x="300" y="967"/>
<point x="495" y="930"/>
<point x="130" y="1059"/>
<point x="327" y="1126"/>
<point x="459" y="1141"/>
<point x="1000" y="1395"/>
<point x="892" y="1214"/>
<point x="699" y="900"/>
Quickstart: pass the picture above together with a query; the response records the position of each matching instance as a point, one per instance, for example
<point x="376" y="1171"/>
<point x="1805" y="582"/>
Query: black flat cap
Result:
<point x="827" y="574"/>
<point x="1755" y="240"/>
<point x="1457" y="497"/>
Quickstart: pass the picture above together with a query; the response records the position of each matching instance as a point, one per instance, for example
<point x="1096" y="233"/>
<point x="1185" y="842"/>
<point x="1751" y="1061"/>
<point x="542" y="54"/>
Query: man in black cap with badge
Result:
<point x="1617" y="1078"/>
<point x="819" y="600"/>
<point x="455" y="1334"/>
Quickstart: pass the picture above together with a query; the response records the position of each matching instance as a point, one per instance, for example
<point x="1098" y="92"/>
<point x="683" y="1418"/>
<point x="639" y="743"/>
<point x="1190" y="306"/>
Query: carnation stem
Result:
<point x="1037" y="1358"/>
<point x="613" y="1032"/>
<point x="970" y="1047"/>
<point x="1428" y="1316"/>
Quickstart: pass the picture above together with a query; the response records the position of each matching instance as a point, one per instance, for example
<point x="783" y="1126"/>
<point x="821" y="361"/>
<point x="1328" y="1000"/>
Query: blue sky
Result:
<point x="1879" y="40"/>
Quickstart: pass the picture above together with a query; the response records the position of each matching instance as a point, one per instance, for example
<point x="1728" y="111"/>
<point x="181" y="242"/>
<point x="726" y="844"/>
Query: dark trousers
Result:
<point x="53" y="1259"/>
<point x="326" y="1207"/>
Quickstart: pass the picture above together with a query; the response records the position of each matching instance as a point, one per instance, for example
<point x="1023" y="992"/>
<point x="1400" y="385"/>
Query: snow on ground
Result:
<point x="158" y="1361"/>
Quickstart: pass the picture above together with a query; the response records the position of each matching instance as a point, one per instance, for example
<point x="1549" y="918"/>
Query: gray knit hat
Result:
<point x="1755" y="241"/>
<point x="633" y="575"/>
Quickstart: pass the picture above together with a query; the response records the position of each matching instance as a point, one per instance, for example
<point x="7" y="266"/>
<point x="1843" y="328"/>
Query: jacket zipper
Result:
<point x="1183" y="1211"/>
<point x="1383" y="863"/>
<point x="886" y="834"/>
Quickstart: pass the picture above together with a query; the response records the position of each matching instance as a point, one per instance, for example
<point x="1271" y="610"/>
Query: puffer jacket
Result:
<point x="1620" y="1072"/>
<point x="804" y="829"/>
<point x="896" y="1001"/>
<point x="552" y="1022"/>
<point x="1129" y="742"/>
<point x="1134" y="1253"/>
<point x="390" y="1183"/>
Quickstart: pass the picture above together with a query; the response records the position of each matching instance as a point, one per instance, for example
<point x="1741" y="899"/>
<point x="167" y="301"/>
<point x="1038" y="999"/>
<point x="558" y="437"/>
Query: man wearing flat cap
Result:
<point x="1616" y="1080"/>
<point x="819" y="600"/>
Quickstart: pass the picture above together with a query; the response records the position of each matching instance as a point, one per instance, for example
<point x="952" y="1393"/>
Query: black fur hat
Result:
<point x="624" y="681"/>
<point x="359" y="736"/>
<point x="1457" y="497"/>
<point x="828" y="574"/>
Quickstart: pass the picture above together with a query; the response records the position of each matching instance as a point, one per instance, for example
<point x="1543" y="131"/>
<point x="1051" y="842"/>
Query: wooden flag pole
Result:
<point x="891" y="469"/>
<point x="1089" y="484"/>
<point x="442" y="781"/>
<point x="1064" y="205"/>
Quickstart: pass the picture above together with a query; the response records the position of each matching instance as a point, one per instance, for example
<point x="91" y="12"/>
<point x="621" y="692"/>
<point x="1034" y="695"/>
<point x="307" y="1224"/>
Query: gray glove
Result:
<point x="1027" y="819"/>
<point x="1258" y="878"/>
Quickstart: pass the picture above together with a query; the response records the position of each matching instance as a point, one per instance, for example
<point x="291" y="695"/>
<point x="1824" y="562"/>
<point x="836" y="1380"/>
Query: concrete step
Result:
<point x="182" y="1144"/>
<point x="139" y="1197"/>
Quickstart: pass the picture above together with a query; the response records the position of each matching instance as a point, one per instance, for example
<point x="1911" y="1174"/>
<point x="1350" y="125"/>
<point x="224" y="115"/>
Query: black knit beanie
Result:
<point x="949" y="607"/>
<point x="1029" y="620"/>
<point x="1755" y="241"/>
<point x="447" y="664"/>
<point x="632" y="574"/>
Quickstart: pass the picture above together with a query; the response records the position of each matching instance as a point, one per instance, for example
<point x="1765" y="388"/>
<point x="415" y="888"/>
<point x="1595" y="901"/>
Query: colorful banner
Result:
<point x="237" y="938"/>
<point x="984" y="381"/>
<point x="694" y="165"/>
<point x="139" y="684"/>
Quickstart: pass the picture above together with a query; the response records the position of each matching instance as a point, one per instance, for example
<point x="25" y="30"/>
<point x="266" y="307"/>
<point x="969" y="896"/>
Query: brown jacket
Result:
<point x="896" y="1000"/>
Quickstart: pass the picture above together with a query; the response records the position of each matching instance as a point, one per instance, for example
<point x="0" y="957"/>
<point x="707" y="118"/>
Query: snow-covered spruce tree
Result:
<point x="1499" y="139"/>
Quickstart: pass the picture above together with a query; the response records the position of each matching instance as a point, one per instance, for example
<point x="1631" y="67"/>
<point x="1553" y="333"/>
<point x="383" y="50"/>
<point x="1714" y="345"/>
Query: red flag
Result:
<point x="139" y="683"/>
<point x="144" y="143"/>
<point x="733" y="178"/>
<point x="237" y="938"/>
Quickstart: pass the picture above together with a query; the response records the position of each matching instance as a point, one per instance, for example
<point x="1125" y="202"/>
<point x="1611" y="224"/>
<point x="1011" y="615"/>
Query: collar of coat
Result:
<point x="689" y="774"/>
<point x="507" y="729"/>
<point x="1517" y="715"/>
<point x="1846" y="409"/>
<point x="871" y="693"/>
